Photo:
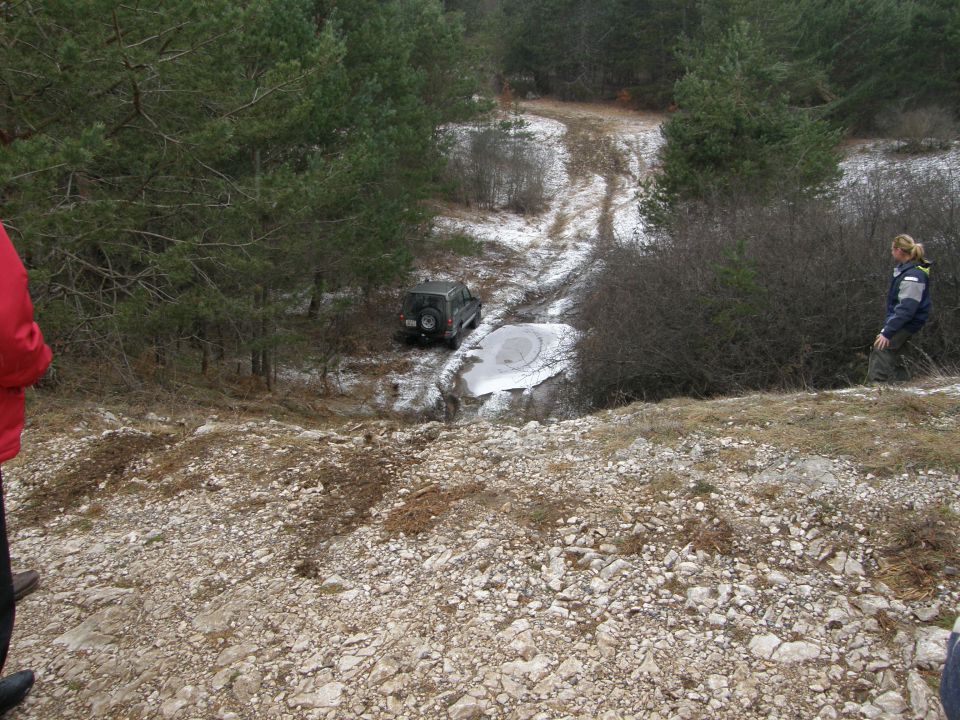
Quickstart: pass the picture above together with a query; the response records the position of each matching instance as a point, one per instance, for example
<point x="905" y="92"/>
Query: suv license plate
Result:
<point x="411" y="323"/>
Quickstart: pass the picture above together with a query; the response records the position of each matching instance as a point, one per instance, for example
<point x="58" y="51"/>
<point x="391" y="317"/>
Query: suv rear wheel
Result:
<point x="429" y="320"/>
<point x="454" y="342"/>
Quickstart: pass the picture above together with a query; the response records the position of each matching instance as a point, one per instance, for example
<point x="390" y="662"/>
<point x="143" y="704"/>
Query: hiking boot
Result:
<point x="25" y="583"/>
<point x="14" y="688"/>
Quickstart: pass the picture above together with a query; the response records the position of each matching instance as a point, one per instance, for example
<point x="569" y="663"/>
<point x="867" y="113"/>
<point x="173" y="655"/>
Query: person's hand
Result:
<point x="882" y="342"/>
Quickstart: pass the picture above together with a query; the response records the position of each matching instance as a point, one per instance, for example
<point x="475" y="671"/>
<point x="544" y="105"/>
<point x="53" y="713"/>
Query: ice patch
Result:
<point x="519" y="357"/>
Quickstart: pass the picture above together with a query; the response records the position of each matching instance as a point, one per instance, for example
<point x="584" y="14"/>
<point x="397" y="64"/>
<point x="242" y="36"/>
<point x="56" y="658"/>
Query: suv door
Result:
<point x="471" y="308"/>
<point x="453" y="329"/>
<point x="456" y="306"/>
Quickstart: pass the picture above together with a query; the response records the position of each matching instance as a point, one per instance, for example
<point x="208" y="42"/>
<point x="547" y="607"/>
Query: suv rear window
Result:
<point x="415" y="302"/>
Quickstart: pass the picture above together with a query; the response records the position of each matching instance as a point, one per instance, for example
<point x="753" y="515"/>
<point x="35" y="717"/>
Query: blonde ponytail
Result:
<point x="908" y="245"/>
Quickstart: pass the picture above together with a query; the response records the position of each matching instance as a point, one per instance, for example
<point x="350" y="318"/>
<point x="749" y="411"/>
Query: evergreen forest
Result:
<point x="191" y="182"/>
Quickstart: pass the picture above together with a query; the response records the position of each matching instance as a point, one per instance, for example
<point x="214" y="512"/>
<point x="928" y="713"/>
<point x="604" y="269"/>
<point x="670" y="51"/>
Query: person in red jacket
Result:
<point x="24" y="358"/>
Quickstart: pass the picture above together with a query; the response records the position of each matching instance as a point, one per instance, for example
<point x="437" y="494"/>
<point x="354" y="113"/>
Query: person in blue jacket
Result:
<point x="950" y="677"/>
<point x="908" y="307"/>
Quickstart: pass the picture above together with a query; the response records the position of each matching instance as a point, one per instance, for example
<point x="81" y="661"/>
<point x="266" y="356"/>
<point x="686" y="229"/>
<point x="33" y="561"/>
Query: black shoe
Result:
<point x="25" y="583"/>
<point x="14" y="688"/>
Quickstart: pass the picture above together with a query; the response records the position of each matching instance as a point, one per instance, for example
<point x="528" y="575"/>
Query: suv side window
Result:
<point x="456" y="303"/>
<point x="465" y="294"/>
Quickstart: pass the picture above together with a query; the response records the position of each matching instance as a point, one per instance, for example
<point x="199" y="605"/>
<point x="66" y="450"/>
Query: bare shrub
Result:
<point x="921" y="130"/>
<point x="740" y="295"/>
<point x="506" y="98"/>
<point x="498" y="165"/>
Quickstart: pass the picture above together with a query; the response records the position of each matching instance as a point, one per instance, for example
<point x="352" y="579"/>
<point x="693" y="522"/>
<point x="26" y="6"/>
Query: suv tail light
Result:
<point x="449" y="322"/>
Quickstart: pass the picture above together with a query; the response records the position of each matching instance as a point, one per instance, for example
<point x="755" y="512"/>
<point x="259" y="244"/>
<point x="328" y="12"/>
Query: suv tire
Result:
<point x="429" y="320"/>
<point x="476" y="319"/>
<point x="454" y="342"/>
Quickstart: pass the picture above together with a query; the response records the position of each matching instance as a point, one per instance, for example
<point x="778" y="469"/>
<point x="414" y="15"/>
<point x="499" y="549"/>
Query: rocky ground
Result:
<point x="730" y="559"/>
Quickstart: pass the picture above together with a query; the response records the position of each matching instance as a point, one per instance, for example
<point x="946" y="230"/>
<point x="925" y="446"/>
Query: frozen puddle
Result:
<point x="518" y="357"/>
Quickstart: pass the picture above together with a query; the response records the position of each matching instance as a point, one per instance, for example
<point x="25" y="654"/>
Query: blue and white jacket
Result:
<point x="950" y="676"/>
<point x="908" y="302"/>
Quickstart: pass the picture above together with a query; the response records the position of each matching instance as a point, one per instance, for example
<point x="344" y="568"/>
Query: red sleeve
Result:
<point x="24" y="357"/>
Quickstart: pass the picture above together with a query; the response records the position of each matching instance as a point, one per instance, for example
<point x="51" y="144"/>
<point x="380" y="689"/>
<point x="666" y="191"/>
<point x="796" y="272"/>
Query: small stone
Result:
<point x="649" y="665"/>
<point x="569" y="668"/>
<point x="234" y="653"/>
<point x="928" y="613"/>
<point x="385" y="669"/>
<point x="763" y="646"/>
<point x="465" y="708"/>
<point x="777" y="578"/>
<point x="922" y="698"/>
<point x="794" y="652"/>
<point x="871" y="604"/>
<point x="328" y="696"/>
<point x="891" y="703"/>
<point x="615" y="568"/>
<point x="930" y="650"/>
<point x="246" y="686"/>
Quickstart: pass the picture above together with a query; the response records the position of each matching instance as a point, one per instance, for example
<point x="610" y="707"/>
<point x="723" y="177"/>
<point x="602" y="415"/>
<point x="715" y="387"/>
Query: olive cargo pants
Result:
<point x="887" y="365"/>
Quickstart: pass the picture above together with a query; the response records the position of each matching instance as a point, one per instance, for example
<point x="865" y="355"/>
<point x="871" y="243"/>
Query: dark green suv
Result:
<point x="439" y="310"/>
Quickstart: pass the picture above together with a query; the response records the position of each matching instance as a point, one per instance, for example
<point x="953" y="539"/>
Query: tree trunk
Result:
<point x="319" y="286"/>
<point x="256" y="355"/>
<point x="204" y="348"/>
<point x="264" y="329"/>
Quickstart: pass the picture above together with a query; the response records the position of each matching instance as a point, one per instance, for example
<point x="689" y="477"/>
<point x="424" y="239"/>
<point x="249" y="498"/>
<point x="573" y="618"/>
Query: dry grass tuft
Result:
<point x="768" y="492"/>
<point x="632" y="545"/>
<point x="543" y="513"/>
<point x="922" y="545"/>
<point x="354" y="485"/>
<point x="737" y="458"/>
<point x="560" y="466"/>
<point x="665" y="482"/>
<point x="701" y="488"/>
<point x="98" y="473"/>
<point x="613" y="439"/>
<point x="710" y="536"/>
<point x="170" y="476"/>
<point x="888" y="624"/>
<point x="425" y="508"/>
<point x="559" y="225"/>
<point x="307" y="569"/>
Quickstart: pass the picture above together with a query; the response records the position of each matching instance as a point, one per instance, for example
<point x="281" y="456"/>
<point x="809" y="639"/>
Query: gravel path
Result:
<point x="256" y="569"/>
